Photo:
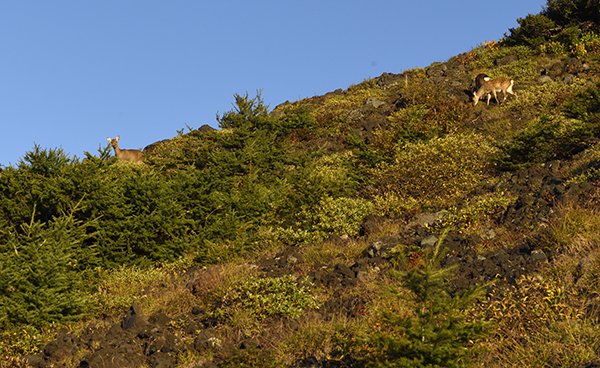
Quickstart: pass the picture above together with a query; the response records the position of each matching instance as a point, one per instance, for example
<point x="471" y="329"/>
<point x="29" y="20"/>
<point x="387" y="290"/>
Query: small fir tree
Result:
<point x="439" y="332"/>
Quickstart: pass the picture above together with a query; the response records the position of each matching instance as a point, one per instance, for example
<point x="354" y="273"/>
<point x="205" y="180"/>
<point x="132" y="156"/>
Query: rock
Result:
<point x="538" y="255"/>
<point x="374" y="249"/>
<point x="545" y="79"/>
<point x="308" y="362"/>
<point x="429" y="241"/>
<point x="35" y="361"/>
<point x="159" y="319"/>
<point x="370" y="225"/>
<point x="163" y="360"/>
<point x="205" y="128"/>
<point x="134" y="319"/>
<point x="344" y="271"/>
<point x="568" y="78"/>
<point x="506" y="60"/>
<point x="122" y="355"/>
<point x="436" y="70"/>
<point x="374" y="102"/>
<point x="572" y="66"/>
<point x="206" y="340"/>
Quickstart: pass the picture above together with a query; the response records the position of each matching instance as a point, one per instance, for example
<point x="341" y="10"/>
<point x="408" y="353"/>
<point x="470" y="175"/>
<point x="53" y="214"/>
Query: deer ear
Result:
<point x="117" y="138"/>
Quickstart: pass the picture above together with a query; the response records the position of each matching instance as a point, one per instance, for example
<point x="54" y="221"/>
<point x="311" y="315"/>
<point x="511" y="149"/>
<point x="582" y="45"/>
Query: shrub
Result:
<point x="587" y="166"/>
<point x="340" y="216"/>
<point x="539" y="323"/>
<point x="264" y="297"/>
<point x="436" y="171"/>
<point x="585" y="104"/>
<point x="479" y="209"/>
<point x="330" y="217"/>
<point x="548" y="138"/>
<point x="41" y="274"/>
<point x="248" y="113"/>
<point x="566" y="12"/>
<point x="336" y="106"/>
<point x="439" y="331"/>
<point x="533" y="31"/>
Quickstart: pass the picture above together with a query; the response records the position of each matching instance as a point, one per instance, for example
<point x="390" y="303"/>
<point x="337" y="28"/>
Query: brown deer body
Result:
<point x="480" y="78"/>
<point x="491" y="87"/>
<point x="131" y="155"/>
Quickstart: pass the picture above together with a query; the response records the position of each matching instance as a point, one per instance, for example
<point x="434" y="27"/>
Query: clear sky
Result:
<point x="73" y="72"/>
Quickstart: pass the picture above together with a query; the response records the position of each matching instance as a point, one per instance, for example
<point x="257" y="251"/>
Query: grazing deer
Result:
<point x="491" y="87"/>
<point x="131" y="155"/>
<point x="479" y="79"/>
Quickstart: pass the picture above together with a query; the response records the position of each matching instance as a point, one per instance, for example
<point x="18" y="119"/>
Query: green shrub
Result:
<point x="585" y="104"/>
<point x="340" y="216"/>
<point x="478" y="209"/>
<point x="439" y="332"/>
<point x="264" y="297"/>
<point x="548" y="138"/>
<point x="436" y="171"/>
<point x="533" y="31"/>
<point x="567" y="12"/>
<point x="248" y="113"/>
<point x="42" y="277"/>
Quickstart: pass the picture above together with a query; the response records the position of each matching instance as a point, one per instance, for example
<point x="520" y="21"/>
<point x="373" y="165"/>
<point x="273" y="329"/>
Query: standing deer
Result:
<point x="131" y="155"/>
<point x="491" y="87"/>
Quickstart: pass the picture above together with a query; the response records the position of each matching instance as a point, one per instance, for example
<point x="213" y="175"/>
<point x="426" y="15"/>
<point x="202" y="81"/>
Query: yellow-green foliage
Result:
<point x="588" y="166"/>
<point x="437" y="171"/>
<point x="479" y="210"/>
<point x="542" y="98"/>
<point x="268" y="296"/>
<point x="394" y="204"/>
<point x="486" y="56"/>
<point x="16" y="342"/>
<point x="540" y="323"/>
<point x="332" y="171"/>
<point x="336" y="106"/>
<point x="548" y="137"/>
<point x="125" y="285"/>
<point x="331" y="216"/>
<point x="340" y="216"/>
<point x="408" y="123"/>
<point x="586" y="44"/>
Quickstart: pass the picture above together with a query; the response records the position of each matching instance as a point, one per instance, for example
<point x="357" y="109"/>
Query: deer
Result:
<point x="480" y="78"/>
<point x="491" y="87"/>
<point x="131" y="155"/>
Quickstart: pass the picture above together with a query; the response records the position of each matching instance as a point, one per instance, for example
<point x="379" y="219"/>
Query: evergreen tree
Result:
<point x="439" y="333"/>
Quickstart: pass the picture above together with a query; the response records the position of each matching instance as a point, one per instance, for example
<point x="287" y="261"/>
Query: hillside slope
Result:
<point x="389" y="224"/>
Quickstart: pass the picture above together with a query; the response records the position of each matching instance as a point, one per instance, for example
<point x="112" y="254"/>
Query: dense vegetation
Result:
<point x="83" y="239"/>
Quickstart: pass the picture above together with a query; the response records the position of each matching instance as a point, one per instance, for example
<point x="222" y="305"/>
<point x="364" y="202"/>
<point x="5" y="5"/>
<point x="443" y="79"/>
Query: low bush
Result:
<point x="268" y="296"/>
<point x="548" y="138"/>
<point x="436" y="171"/>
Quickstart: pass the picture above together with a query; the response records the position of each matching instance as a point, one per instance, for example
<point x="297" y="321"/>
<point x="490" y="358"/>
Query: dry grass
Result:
<point x="331" y="252"/>
<point x="552" y="319"/>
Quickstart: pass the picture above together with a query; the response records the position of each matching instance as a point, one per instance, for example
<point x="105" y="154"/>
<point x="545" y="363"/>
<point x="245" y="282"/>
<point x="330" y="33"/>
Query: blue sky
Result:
<point x="73" y="73"/>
